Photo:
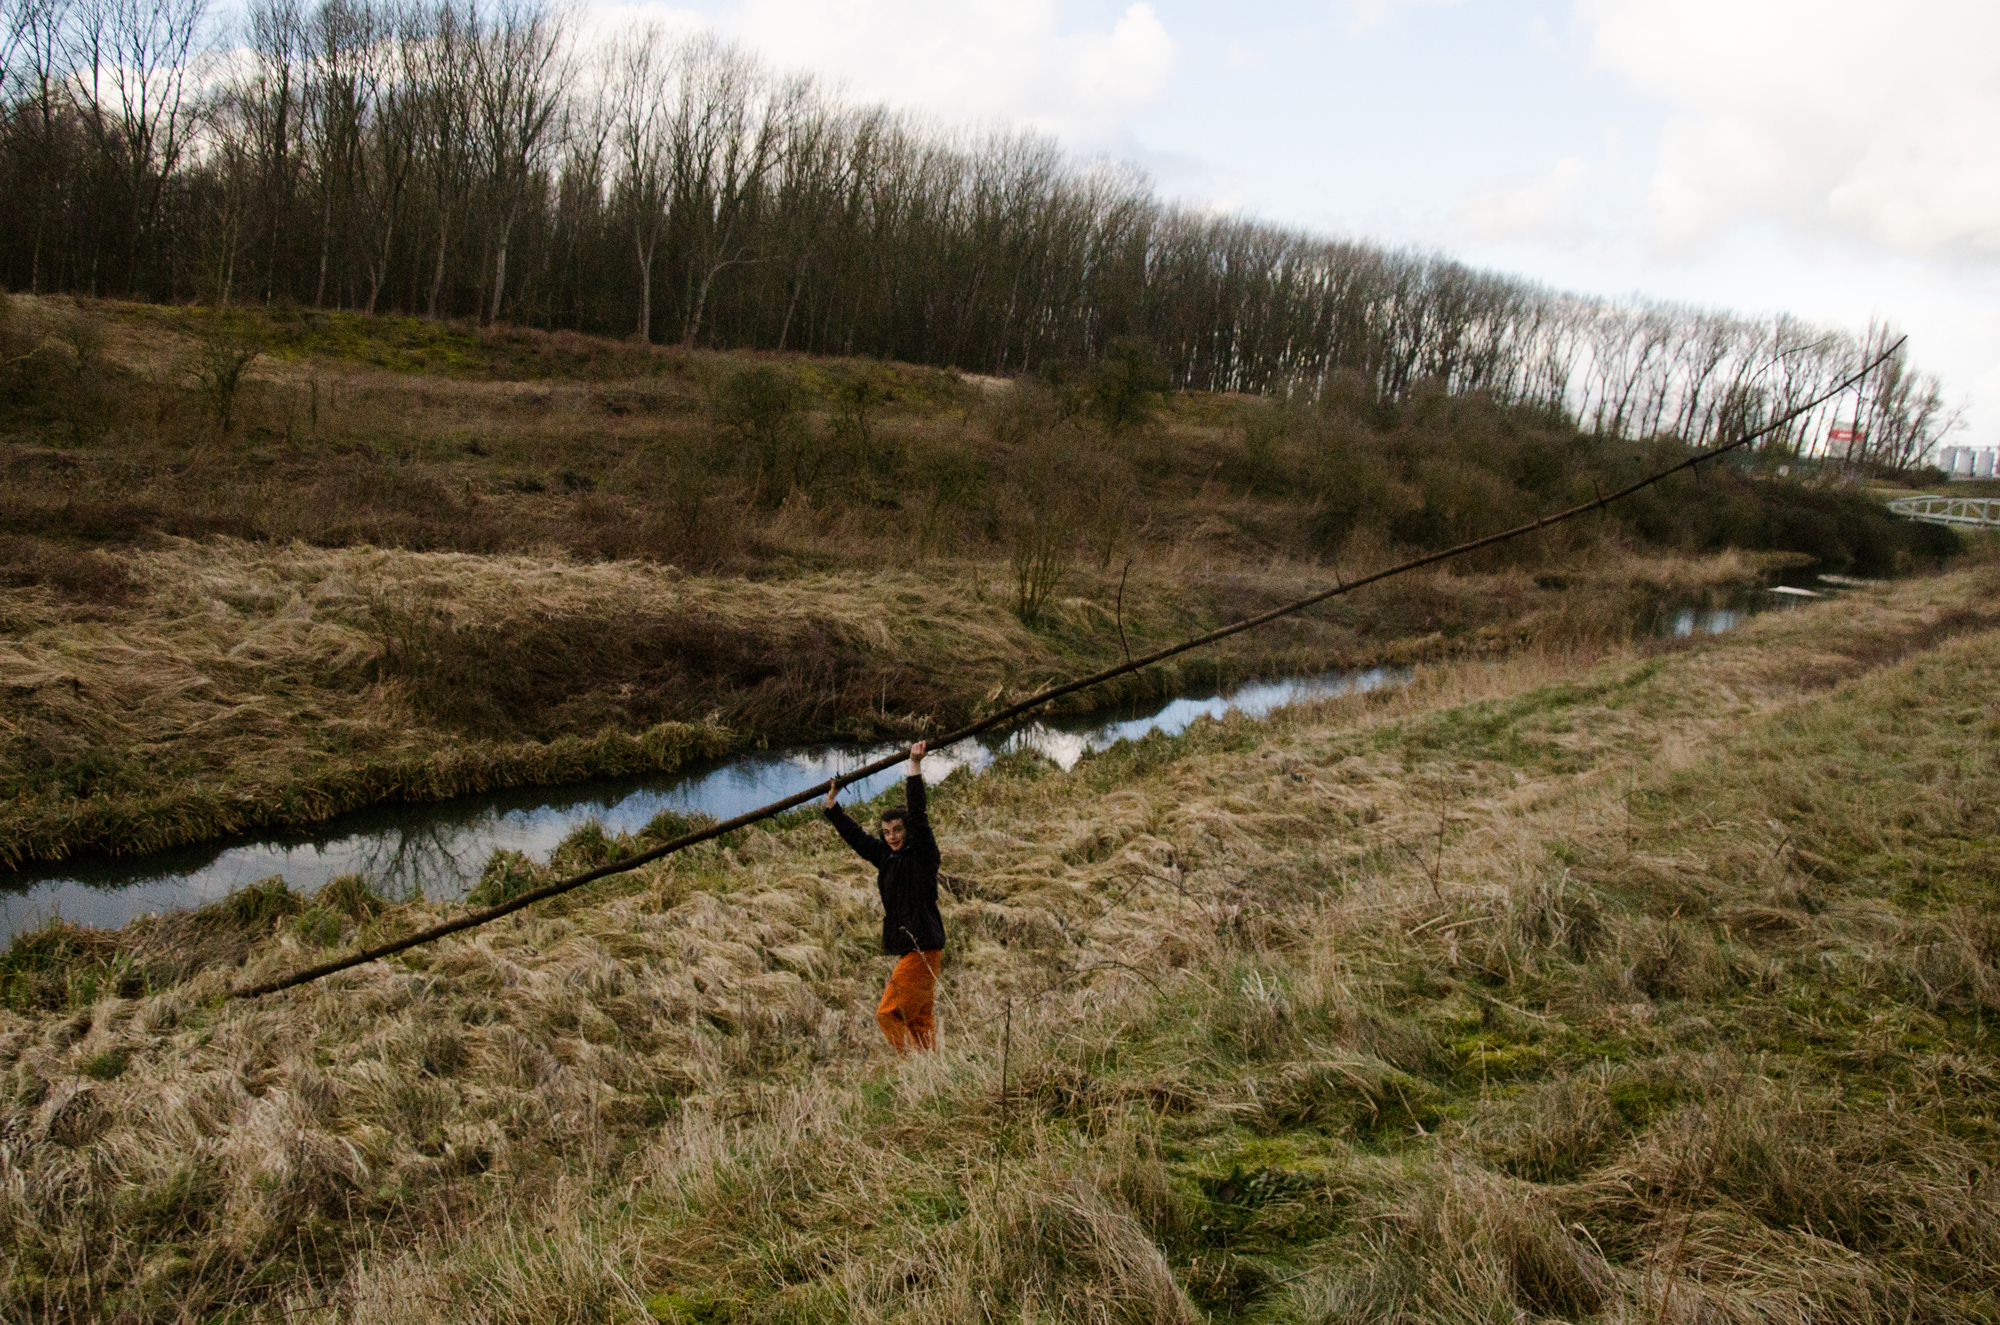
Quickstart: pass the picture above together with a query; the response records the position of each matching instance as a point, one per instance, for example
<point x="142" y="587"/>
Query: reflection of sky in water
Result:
<point x="1258" y="698"/>
<point x="1704" y="621"/>
<point x="440" y="850"/>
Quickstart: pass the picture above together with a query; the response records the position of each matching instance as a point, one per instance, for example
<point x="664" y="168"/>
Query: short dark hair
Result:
<point x="895" y="814"/>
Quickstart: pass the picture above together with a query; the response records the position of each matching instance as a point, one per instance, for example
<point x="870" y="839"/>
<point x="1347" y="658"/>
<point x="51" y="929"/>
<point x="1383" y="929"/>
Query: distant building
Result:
<point x="1969" y="461"/>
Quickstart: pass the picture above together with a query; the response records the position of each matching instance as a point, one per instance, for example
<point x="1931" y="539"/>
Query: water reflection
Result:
<point x="1703" y="621"/>
<point x="439" y="850"/>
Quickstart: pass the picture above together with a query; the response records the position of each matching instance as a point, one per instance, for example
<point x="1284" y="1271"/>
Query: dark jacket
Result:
<point x="906" y="879"/>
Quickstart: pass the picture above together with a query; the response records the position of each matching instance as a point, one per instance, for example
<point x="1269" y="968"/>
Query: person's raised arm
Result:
<point x="871" y="849"/>
<point x="918" y="799"/>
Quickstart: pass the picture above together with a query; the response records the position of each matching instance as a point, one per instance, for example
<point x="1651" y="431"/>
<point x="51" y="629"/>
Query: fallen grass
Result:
<point x="1623" y="983"/>
<point x="412" y="560"/>
<point x="228" y="686"/>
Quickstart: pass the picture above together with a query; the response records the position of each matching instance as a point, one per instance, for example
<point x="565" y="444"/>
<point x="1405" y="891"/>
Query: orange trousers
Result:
<point x="905" y="1011"/>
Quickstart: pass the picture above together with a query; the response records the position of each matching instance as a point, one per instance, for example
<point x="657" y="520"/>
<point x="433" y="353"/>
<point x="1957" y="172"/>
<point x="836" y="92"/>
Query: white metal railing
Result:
<point x="1974" y="512"/>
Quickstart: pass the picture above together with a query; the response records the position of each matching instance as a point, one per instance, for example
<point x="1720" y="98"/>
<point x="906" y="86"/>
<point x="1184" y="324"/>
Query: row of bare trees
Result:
<point x="479" y="159"/>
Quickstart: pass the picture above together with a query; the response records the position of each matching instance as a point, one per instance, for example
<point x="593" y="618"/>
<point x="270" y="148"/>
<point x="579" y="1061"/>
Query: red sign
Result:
<point x="1845" y="434"/>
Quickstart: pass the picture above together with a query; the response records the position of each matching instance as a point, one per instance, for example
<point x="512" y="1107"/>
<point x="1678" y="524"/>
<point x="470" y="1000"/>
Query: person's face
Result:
<point x="892" y="833"/>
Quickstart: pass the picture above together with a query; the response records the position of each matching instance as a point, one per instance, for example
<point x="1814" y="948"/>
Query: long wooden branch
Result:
<point x="1029" y="705"/>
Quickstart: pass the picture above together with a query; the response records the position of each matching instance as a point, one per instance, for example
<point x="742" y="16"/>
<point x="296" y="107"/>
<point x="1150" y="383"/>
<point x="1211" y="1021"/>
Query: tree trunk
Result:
<point x="645" y="292"/>
<point x="694" y="313"/>
<point x="325" y="245"/>
<point x="437" y="276"/>
<point x="379" y="271"/>
<point x="500" y="267"/>
<point x="798" y="284"/>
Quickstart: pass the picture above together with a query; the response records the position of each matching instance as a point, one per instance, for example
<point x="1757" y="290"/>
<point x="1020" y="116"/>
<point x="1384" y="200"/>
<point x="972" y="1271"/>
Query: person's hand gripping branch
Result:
<point x="916" y="770"/>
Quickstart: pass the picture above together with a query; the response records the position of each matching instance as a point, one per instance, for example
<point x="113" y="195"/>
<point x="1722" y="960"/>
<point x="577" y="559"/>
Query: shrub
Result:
<point x="585" y="848"/>
<point x="1026" y="411"/>
<point x="15" y="347"/>
<point x="950" y="482"/>
<point x="259" y="906"/>
<point x="670" y="824"/>
<point x="507" y="875"/>
<point x="763" y="411"/>
<point x="1351" y="488"/>
<point x="857" y="392"/>
<point x="41" y="966"/>
<point x="217" y="372"/>
<point x="577" y="673"/>
<point x="80" y="574"/>
<point x="1262" y="464"/>
<point x="1065" y="388"/>
<point x="1044" y="549"/>
<point x="694" y="527"/>
<point x="81" y="393"/>
<point x="1128" y="386"/>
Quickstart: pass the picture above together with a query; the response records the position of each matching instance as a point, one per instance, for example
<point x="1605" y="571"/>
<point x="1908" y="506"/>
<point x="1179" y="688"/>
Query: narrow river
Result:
<point x="439" y="850"/>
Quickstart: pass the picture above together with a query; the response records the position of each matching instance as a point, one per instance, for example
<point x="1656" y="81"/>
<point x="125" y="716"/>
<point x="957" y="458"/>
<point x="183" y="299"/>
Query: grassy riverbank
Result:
<point x="260" y="567"/>
<point x="1613" y="982"/>
<point x="241" y="686"/>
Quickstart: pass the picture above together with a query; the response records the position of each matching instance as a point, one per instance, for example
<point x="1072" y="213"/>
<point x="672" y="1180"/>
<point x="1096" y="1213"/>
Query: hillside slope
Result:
<point x="1614" y="985"/>
<point x="390" y="559"/>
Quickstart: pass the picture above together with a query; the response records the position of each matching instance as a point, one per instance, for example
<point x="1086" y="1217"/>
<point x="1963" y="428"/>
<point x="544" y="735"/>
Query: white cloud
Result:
<point x="1533" y="208"/>
<point x="1855" y="118"/>
<point x="602" y="19"/>
<point x="1365" y="14"/>
<point x="978" y="60"/>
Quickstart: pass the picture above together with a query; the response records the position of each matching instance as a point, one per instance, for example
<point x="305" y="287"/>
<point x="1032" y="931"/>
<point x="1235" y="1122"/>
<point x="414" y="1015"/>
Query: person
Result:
<point x="905" y="858"/>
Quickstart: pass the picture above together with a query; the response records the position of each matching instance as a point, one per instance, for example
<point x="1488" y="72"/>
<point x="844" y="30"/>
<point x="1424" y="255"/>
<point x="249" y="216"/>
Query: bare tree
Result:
<point x="443" y="117"/>
<point x="520" y="67"/>
<point x="640" y="88"/>
<point x="726" y="138"/>
<point x="445" y="157"/>
<point x="36" y="91"/>
<point x="135" y="72"/>
<point x="269" y="100"/>
<point x="388" y="158"/>
<point x="344" y="84"/>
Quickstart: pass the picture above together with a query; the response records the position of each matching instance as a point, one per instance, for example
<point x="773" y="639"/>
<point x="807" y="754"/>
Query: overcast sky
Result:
<point x="1835" y="159"/>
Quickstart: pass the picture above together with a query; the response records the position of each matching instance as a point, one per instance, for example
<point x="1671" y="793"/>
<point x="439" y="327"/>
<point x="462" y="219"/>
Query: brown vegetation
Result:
<point x="1620" y="984"/>
<point x="227" y="686"/>
<point x="512" y="565"/>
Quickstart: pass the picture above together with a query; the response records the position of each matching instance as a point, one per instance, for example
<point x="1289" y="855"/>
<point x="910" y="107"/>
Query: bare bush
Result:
<point x="762" y="412"/>
<point x="858" y="393"/>
<point x="1043" y="549"/>
<point x="696" y="526"/>
<point x="217" y="374"/>
<point x="1128" y="386"/>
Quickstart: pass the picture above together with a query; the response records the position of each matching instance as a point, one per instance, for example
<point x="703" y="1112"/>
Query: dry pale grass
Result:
<point x="203" y="633"/>
<point x="1550" y="986"/>
<point x="219" y="686"/>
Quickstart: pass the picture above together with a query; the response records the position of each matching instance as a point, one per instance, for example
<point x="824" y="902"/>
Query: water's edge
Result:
<point x="439" y="849"/>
